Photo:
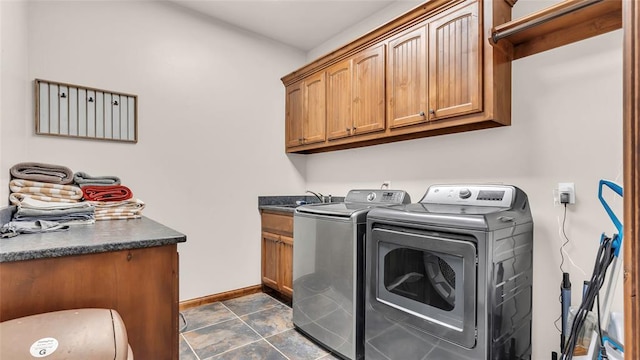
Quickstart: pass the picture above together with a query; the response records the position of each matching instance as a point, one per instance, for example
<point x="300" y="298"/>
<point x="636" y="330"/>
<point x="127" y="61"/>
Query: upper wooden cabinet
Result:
<point x="339" y="100"/>
<point x="293" y="115"/>
<point x="368" y="91"/>
<point x="455" y="79"/>
<point x="305" y="112"/>
<point x="431" y="71"/>
<point x="355" y="95"/>
<point x="407" y="78"/>
<point x="314" y="110"/>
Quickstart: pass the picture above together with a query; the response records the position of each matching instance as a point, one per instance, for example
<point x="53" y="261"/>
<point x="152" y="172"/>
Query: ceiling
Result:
<point x="303" y="24"/>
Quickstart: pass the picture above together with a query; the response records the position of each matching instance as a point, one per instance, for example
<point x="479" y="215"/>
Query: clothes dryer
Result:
<point x="450" y="277"/>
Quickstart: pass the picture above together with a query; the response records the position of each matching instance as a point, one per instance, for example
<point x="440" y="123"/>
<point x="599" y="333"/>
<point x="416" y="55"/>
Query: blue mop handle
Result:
<point x="617" y="238"/>
<point x="618" y="190"/>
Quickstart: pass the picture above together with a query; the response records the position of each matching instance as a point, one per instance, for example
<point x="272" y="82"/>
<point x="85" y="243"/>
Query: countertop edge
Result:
<point x="86" y="250"/>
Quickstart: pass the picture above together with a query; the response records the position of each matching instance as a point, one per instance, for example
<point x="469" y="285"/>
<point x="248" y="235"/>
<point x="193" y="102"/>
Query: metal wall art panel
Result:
<point x="78" y="111"/>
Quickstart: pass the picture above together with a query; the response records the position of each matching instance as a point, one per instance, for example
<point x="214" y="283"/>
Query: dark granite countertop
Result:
<point x="287" y="203"/>
<point x="100" y="237"/>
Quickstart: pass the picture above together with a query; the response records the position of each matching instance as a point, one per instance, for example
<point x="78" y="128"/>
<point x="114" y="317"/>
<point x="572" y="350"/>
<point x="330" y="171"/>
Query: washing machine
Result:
<point x="328" y="269"/>
<point x="450" y="277"/>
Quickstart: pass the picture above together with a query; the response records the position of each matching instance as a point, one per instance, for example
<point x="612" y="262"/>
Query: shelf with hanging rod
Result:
<point x="558" y="25"/>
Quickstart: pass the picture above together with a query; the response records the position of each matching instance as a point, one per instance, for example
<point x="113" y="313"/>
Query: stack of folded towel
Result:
<point x="46" y="199"/>
<point x="111" y="200"/>
<point x="50" y="197"/>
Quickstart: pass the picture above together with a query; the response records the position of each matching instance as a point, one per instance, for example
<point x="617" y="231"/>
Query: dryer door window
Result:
<point x="428" y="280"/>
<point x="424" y="276"/>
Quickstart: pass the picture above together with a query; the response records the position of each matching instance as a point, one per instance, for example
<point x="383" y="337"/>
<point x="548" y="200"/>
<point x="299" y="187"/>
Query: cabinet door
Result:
<point x="286" y="265"/>
<point x="313" y="128"/>
<point x="293" y="116"/>
<point x="455" y="84"/>
<point x="368" y="91"/>
<point x="339" y="100"/>
<point x="270" y="259"/>
<point x="407" y="78"/>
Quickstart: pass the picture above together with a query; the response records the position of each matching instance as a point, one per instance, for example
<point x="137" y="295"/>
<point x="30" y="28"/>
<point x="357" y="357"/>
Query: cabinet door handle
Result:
<point x="348" y="130"/>
<point x="421" y="113"/>
<point x="432" y="112"/>
<point x="353" y="129"/>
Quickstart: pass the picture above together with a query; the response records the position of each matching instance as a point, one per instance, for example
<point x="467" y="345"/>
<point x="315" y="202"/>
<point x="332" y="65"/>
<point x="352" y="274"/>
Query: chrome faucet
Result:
<point x="319" y="196"/>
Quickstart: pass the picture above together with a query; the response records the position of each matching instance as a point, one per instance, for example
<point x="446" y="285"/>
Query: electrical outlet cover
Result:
<point x="569" y="188"/>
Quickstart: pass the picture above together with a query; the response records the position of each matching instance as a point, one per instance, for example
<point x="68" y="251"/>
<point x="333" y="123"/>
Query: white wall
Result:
<point x="566" y="127"/>
<point x="14" y="91"/>
<point x="211" y="129"/>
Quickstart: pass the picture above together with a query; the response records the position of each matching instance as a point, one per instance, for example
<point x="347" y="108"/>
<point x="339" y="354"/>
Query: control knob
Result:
<point x="371" y="196"/>
<point x="465" y="194"/>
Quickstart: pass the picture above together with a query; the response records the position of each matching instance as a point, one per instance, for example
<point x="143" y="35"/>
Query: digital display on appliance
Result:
<point x="387" y="196"/>
<point x="492" y="195"/>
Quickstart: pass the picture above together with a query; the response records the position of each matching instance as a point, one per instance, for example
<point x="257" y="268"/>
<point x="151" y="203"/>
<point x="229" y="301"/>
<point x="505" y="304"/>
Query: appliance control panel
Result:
<point x="378" y="196"/>
<point x="476" y="195"/>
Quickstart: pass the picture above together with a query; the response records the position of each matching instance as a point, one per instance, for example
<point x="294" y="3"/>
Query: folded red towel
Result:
<point x="107" y="193"/>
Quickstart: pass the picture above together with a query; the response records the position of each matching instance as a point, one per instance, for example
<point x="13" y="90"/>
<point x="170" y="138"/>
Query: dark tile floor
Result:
<point x="255" y="326"/>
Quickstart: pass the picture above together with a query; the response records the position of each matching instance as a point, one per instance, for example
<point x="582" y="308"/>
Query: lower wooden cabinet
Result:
<point x="286" y="265"/>
<point x="141" y="284"/>
<point x="277" y="252"/>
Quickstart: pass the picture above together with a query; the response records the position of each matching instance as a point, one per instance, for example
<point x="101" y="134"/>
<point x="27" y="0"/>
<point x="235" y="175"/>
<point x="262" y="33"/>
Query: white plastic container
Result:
<point x="615" y="330"/>
<point x="612" y="352"/>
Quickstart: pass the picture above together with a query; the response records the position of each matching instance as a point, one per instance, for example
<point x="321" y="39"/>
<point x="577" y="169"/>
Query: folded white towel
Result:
<point x="27" y="202"/>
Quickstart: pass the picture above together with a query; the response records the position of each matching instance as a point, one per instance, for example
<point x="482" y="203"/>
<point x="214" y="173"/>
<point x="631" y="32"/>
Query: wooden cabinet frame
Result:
<point x="631" y="126"/>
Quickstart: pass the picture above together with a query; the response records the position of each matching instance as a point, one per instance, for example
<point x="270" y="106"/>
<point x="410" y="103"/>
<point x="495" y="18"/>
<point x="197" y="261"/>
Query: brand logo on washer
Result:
<point x="371" y="196"/>
<point x="43" y="347"/>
